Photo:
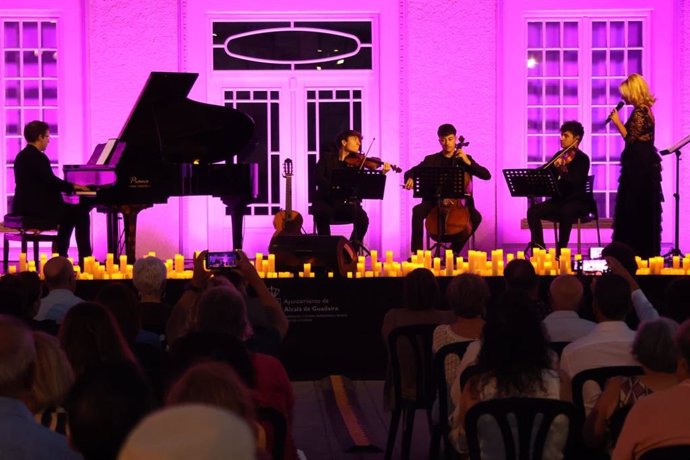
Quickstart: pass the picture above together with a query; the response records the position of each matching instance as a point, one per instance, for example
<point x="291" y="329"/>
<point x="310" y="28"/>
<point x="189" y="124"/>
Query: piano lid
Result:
<point x="165" y="122"/>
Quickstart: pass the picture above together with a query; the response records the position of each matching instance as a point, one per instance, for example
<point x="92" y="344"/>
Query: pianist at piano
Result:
<point x="38" y="193"/>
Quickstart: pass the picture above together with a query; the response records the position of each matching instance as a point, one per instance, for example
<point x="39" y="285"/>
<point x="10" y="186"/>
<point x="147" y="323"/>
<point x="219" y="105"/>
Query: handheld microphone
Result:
<point x="618" y="107"/>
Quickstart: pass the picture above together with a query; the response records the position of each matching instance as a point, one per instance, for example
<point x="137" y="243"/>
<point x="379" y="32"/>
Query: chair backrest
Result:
<point x="417" y="359"/>
<point x="599" y="375"/>
<point x="667" y="453"/>
<point x="534" y="417"/>
<point x="275" y="426"/>
<point x="593" y="211"/>
<point x="458" y="349"/>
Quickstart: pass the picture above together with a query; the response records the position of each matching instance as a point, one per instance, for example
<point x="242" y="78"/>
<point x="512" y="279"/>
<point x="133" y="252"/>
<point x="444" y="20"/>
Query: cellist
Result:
<point x="570" y="166"/>
<point x="450" y="156"/>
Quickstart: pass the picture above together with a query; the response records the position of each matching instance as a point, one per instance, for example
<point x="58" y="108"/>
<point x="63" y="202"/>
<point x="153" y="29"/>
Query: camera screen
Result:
<point x="226" y="259"/>
<point x="595" y="266"/>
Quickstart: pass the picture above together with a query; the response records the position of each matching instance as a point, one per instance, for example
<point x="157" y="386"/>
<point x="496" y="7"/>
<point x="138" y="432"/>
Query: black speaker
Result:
<point x="324" y="253"/>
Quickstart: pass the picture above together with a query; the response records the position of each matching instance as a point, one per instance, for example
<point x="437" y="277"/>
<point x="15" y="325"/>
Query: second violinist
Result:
<point x="570" y="166"/>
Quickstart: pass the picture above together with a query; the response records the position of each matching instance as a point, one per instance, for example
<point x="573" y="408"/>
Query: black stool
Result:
<point x="28" y="230"/>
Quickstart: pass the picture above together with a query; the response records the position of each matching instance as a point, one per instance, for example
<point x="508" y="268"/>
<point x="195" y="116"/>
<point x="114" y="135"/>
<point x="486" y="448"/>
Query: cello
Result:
<point x="450" y="220"/>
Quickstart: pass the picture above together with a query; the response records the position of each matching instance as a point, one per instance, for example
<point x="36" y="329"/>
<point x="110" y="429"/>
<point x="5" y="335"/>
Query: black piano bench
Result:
<point x="27" y="230"/>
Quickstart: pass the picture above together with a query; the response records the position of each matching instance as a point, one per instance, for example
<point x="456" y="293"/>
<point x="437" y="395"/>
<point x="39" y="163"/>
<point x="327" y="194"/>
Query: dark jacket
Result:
<point x="38" y="191"/>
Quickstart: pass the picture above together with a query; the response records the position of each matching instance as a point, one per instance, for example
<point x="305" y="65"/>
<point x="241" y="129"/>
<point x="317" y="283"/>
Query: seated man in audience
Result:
<point x="609" y="343"/>
<point x="61" y="283"/>
<point x="20" y="435"/>
<point x="148" y="276"/>
<point x="660" y="419"/>
<point x="564" y="325"/>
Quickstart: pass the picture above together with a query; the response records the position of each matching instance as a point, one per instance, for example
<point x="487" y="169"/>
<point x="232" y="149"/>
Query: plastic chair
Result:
<point x="467" y="374"/>
<point x="599" y="375"/>
<point x="418" y="339"/>
<point x="534" y="417"/>
<point x="439" y="433"/>
<point x="275" y="425"/>
<point x="667" y="453"/>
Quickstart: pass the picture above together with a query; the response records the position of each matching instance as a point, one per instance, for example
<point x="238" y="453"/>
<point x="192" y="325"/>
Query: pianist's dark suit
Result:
<point x="38" y="194"/>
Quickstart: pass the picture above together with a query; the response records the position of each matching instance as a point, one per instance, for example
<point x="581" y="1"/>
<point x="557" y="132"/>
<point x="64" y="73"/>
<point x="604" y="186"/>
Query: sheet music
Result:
<point x="105" y="153"/>
<point x="677" y="146"/>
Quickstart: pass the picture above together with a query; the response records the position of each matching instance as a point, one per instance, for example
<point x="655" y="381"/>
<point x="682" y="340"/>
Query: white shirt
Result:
<point x="566" y="326"/>
<point x="609" y="344"/>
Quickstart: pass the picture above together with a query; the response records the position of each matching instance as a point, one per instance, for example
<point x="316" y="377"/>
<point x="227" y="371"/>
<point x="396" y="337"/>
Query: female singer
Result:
<point x="637" y="218"/>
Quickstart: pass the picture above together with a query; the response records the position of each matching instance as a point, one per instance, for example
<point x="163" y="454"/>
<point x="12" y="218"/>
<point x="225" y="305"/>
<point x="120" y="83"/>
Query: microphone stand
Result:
<point x="675" y="251"/>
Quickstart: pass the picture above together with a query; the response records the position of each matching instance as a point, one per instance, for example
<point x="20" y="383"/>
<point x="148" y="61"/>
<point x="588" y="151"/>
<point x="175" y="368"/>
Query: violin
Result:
<point x="450" y="220"/>
<point x="562" y="159"/>
<point x="359" y="160"/>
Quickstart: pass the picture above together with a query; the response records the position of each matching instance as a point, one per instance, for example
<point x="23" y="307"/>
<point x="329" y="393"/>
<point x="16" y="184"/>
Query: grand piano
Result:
<point x="170" y="146"/>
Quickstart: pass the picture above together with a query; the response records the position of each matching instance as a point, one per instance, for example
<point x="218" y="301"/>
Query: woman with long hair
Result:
<point x="637" y="218"/>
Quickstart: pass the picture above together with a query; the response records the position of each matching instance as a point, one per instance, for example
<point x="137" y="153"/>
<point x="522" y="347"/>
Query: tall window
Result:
<point x="30" y="87"/>
<point x="574" y="69"/>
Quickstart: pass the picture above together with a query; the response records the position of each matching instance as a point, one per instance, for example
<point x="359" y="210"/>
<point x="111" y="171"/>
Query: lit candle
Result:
<point x="109" y="259"/>
<point x="307" y="269"/>
<point x="123" y="263"/>
<point x="374" y="258"/>
<point x="12" y="269"/>
<point x="179" y="263"/>
<point x="676" y="262"/>
<point x="437" y="264"/>
<point x="271" y="263"/>
<point x="22" y="262"/>
<point x="389" y="256"/>
<point x="330" y="274"/>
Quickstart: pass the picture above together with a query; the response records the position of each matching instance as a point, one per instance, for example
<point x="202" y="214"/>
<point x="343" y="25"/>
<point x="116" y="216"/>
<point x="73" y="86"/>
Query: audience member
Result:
<point x="90" y="336"/>
<point x="199" y="431"/>
<point x="421" y="299"/>
<point x="220" y="318"/>
<point x="514" y="361"/>
<point x="564" y="324"/>
<point x="609" y="343"/>
<point x="61" y="282"/>
<point x="20" y="436"/>
<point x="467" y="295"/>
<point x="655" y="349"/>
<point x="105" y="404"/>
<point x="519" y="276"/>
<point x="677" y="299"/>
<point x="421" y="302"/>
<point x="660" y="419"/>
<point x="149" y="278"/>
<point x="53" y="379"/>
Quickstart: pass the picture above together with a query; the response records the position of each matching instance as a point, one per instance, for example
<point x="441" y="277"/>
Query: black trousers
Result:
<point x="74" y="218"/>
<point x="563" y="212"/>
<point x="325" y="212"/>
<point x="419" y="213"/>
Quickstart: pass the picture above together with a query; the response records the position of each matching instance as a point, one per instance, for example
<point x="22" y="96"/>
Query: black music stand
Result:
<point x="675" y="251"/>
<point x="438" y="183"/>
<point x="353" y="185"/>
<point x="531" y="183"/>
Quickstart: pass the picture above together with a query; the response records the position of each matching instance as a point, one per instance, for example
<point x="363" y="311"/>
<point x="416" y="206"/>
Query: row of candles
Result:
<point x="545" y="263"/>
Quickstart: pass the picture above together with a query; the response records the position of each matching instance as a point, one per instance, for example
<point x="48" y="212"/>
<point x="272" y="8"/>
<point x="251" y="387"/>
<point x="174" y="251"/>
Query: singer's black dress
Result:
<point x="637" y="218"/>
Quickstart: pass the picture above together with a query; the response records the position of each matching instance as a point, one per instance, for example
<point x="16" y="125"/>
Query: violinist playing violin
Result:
<point x="570" y="166"/>
<point x="325" y="207"/>
<point x="450" y="156"/>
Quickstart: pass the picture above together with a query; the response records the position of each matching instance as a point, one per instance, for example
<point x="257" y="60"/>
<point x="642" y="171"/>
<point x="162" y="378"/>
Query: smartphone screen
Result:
<point x="223" y="259"/>
<point x="594" y="266"/>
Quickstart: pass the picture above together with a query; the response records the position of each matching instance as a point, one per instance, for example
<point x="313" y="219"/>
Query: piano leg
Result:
<point x="236" y="208"/>
<point x="130" y="213"/>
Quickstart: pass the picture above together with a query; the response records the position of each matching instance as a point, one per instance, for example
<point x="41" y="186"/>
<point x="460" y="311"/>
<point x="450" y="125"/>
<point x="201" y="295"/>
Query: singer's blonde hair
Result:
<point x="636" y="91"/>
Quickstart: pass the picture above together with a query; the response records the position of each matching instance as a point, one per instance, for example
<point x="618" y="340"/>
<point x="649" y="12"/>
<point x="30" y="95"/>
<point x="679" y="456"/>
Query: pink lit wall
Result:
<point x="442" y="62"/>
